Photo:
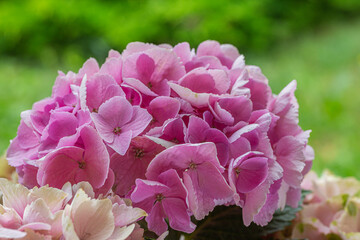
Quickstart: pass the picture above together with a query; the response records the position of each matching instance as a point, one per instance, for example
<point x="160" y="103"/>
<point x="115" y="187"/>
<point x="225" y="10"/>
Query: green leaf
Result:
<point x="148" y="235"/>
<point x="226" y="223"/>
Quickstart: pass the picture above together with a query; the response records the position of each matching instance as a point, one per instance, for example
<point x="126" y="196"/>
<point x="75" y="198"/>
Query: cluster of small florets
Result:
<point x="331" y="210"/>
<point x="177" y="131"/>
<point x="69" y="213"/>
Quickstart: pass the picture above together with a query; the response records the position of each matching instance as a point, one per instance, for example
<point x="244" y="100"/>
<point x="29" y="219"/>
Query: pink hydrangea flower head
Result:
<point x="155" y="109"/>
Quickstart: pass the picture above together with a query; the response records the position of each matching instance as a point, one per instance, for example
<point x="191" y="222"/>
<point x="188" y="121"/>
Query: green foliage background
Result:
<point x="316" y="42"/>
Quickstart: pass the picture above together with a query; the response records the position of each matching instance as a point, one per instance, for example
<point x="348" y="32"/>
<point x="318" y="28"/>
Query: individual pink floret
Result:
<point x="194" y="164"/>
<point x="163" y="108"/>
<point x="74" y="164"/>
<point x="226" y="53"/>
<point x="149" y="71"/>
<point x="199" y="131"/>
<point x="117" y="122"/>
<point x="248" y="171"/>
<point x="133" y="164"/>
<point x="97" y="90"/>
<point x="161" y="199"/>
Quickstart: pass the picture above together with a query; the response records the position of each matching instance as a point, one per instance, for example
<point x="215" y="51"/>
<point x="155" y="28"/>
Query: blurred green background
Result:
<point x="316" y="42"/>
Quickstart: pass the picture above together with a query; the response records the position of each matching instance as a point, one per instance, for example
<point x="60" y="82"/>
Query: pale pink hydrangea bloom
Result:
<point x="332" y="208"/>
<point x="50" y="213"/>
<point x="121" y="125"/>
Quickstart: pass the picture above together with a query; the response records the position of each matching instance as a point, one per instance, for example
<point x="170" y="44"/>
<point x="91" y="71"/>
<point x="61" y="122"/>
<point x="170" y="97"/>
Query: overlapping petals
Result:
<point x="156" y="115"/>
<point x="50" y="213"/>
<point x="331" y="209"/>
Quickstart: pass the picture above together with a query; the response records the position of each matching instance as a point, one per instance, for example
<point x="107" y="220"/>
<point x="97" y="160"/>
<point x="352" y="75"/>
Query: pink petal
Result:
<point x="37" y="226"/>
<point x="290" y="156"/>
<point x="139" y="121"/>
<point x="7" y="233"/>
<point x="132" y="95"/>
<point x="174" y="130"/>
<point x="168" y="65"/>
<point x="99" y="89"/>
<point x="133" y="164"/>
<point x="196" y="99"/>
<point x="271" y="205"/>
<point x="139" y="86"/>
<point x="90" y="67"/>
<point x="121" y="142"/>
<point x="225" y="53"/>
<point x="183" y="51"/>
<point x="126" y="215"/>
<point x="135" y="47"/>
<point x="179" y="219"/>
<point x="145" y="67"/>
<point x="221" y="79"/>
<point x="27" y="137"/>
<point x="96" y="157"/>
<point x="199" y="131"/>
<point x="156" y="219"/>
<point x="198" y="80"/>
<point x="112" y="114"/>
<point x="256" y="199"/>
<point x="147" y="189"/>
<point x="204" y="192"/>
<point x="60" y="166"/>
<point x="253" y="172"/>
<point x="113" y="67"/>
<point x="61" y="124"/>
<point x="157" y="106"/>
<point x="15" y="196"/>
<point x="179" y="158"/>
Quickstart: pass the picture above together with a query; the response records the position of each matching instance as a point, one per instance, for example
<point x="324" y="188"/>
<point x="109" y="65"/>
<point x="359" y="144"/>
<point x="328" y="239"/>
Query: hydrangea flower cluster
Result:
<point x="176" y="130"/>
<point x="70" y="213"/>
<point x="331" y="210"/>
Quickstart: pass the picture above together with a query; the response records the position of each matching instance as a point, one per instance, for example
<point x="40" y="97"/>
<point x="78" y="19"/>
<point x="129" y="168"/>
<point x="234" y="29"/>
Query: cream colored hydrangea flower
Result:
<point x="70" y="214"/>
<point x="332" y="210"/>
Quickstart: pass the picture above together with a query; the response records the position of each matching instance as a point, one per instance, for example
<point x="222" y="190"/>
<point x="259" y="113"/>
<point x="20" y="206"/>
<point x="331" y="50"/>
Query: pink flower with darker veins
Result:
<point x="117" y="122"/>
<point x="133" y="164"/>
<point x="194" y="163"/>
<point x="164" y="198"/>
<point x="75" y="164"/>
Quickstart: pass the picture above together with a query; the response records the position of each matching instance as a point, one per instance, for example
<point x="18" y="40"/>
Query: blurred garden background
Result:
<point x="316" y="42"/>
